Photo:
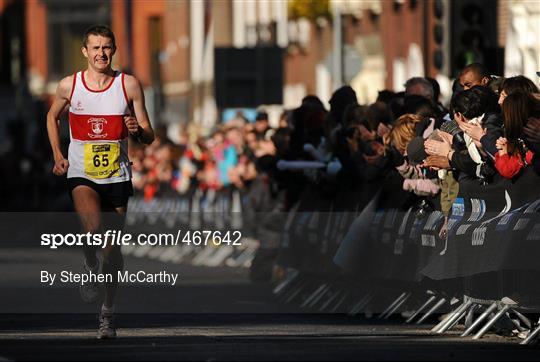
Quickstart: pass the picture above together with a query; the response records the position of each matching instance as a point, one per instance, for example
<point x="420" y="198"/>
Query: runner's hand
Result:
<point x="60" y="167"/>
<point x="132" y="125"/>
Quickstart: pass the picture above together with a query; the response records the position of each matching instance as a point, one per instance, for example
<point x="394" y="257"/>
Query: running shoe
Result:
<point x="91" y="292"/>
<point x="107" y="328"/>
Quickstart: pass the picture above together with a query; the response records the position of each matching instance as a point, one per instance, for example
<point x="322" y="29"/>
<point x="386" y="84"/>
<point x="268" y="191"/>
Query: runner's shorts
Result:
<point x="112" y="195"/>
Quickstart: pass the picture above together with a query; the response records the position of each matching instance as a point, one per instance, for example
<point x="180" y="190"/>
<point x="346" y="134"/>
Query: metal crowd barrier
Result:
<point x="392" y="262"/>
<point x="374" y="249"/>
<point x="199" y="211"/>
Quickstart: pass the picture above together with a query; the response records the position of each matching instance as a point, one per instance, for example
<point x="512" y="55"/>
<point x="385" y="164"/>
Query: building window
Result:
<point x="251" y="35"/>
<point x="66" y="23"/>
<point x="156" y="40"/>
<point x="267" y="34"/>
<point x="299" y="32"/>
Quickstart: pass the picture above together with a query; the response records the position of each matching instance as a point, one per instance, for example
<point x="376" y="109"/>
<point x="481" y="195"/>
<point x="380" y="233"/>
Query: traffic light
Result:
<point x="474" y="35"/>
<point x="438" y="35"/>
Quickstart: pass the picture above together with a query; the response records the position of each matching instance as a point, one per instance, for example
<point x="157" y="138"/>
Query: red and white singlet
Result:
<point x="99" y="144"/>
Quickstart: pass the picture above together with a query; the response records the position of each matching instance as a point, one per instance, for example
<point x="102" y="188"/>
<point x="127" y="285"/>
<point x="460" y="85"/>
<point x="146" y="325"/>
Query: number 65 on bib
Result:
<point x="101" y="160"/>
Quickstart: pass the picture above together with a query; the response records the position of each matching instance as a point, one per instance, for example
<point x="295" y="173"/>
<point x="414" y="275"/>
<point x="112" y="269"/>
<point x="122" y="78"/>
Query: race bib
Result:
<point x="102" y="160"/>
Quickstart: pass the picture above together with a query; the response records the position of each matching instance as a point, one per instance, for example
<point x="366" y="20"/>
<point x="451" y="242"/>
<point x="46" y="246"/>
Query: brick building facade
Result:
<point x="169" y="45"/>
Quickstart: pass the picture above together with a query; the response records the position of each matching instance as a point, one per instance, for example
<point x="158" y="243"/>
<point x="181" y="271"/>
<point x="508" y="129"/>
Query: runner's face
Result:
<point x="99" y="52"/>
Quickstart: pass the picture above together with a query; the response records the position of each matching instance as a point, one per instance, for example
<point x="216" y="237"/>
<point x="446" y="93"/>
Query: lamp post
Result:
<point x="337" y="57"/>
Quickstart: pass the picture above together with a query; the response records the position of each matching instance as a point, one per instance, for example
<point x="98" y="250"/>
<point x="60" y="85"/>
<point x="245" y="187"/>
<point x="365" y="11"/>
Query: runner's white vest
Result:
<point x="99" y="144"/>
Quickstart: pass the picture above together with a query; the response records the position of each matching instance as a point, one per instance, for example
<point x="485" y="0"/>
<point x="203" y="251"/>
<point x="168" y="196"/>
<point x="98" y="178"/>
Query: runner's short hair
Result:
<point x="102" y="30"/>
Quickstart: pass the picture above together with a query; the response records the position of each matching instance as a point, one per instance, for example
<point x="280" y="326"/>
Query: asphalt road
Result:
<point x="213" y="314"/>
<point x="240" y="337"/>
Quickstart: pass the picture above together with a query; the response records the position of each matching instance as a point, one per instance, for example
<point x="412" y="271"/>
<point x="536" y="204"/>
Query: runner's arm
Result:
<point x="61" y="100"/>
<point x="135" y="94"/>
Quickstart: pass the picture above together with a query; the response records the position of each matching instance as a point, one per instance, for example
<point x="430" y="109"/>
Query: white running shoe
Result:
<point x="106" y="329"/>
<point x="91" y="292"/>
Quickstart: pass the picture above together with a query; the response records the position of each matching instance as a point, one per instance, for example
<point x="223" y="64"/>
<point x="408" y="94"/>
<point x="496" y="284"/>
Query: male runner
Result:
<point x="105" y="106"/>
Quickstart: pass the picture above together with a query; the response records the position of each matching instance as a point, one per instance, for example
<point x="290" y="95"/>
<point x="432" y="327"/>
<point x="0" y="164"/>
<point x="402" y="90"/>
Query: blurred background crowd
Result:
<point x="490" y="130"/>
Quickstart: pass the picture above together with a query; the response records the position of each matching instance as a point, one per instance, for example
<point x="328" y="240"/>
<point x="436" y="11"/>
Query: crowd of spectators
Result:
<point x="490" y="131"/>
<point x="228" y="158"/>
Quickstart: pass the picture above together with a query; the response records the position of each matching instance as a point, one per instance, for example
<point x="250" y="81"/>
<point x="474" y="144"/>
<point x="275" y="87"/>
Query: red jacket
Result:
<point x="510" y="165"/>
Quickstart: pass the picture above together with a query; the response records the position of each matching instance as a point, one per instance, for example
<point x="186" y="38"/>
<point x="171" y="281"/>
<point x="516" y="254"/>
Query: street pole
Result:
<point x="337" y="51"/>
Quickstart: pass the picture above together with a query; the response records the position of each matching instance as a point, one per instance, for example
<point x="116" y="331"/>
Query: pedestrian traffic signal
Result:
<point x="438" y="35"/>
<point x="474" y="34"/>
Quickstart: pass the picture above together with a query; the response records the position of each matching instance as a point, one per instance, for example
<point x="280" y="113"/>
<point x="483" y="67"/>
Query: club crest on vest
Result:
<point x="97" y="125"/>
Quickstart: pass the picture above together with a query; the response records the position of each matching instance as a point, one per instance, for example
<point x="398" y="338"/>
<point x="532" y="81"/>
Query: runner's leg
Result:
<point x="87" y="204"/>
<point x="113" y="219"/>
<point x="113" y="261"/>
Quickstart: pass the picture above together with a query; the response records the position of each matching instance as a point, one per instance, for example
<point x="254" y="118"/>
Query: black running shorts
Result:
<point x="112" y="195"/>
